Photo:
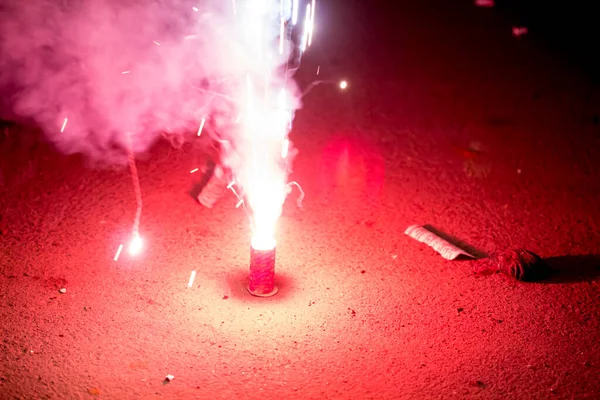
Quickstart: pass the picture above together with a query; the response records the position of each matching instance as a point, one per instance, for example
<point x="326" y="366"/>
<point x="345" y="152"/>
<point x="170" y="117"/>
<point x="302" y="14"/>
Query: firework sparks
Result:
<point x="312" y="22"/>
<point x="281" y="34"/>
<point x="192" y="277"/>
<point x="136" y="244"/>
<point x="119" y="250"/>
<point x="201" y="126"/>
<point x="263" y="180"/>
<point x="64" y="125"/>
<point x="295" y="6"/>
<point x="285" y="148"/>
<point x="266" y="122"/>
<point x="264" y="104"/>
<point x="306" y="28"/>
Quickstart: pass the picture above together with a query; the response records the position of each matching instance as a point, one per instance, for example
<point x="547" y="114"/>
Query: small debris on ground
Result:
<point x="169" y="378"/>
<point x="484" y="3"/>
<point x="63" y="291"/>
<point x="519" y="31"/>
<point x="225" y="297"/>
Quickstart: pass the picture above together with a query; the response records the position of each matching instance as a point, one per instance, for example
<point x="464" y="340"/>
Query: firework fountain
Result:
<point x="97" y="86"/>
<point x="263" y="149"/>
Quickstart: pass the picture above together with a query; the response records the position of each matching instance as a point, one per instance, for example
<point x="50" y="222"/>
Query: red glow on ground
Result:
<point x="353" y="167"/>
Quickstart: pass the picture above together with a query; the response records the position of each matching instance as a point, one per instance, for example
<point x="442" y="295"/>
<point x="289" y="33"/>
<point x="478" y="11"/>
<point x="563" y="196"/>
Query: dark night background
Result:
<point x="570" y="28"/>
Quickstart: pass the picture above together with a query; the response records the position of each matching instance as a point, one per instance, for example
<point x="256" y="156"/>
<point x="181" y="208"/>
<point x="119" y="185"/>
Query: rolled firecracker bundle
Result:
<point x="262" y="273"/>
<point x="515" y="262"/>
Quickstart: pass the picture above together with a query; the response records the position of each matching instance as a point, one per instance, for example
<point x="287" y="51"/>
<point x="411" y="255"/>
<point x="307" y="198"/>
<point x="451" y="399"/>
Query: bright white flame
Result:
<point x="263" y="244"/>
<point x="343" y="85"/>
<point x="136" y="245"/>
<point x="285" y="148"/>
<point x="312" y="23"/>
<point x="281" y="35"/>
<point x="307" y="28"/>
<point x="264" y="150"/>
<point x="263" y="178"/>
<point x="295" y="11"/>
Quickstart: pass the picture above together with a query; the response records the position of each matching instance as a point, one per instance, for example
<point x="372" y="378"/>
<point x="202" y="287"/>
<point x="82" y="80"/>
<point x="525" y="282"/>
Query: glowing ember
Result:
<point x="343" y="85"/>
<point x="136" y="245"/>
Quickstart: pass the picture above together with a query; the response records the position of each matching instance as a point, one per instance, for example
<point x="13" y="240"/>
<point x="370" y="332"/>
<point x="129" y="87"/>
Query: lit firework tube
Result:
<point x="264" y="181"/>
<point x="262" y="272"/>
<point x="263" y="149"/>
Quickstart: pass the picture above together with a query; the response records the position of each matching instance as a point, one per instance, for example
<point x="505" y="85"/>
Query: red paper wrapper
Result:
<point x="262" y="273"/>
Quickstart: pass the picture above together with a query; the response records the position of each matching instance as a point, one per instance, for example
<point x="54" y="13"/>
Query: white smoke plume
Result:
<point x="117" y="70"/>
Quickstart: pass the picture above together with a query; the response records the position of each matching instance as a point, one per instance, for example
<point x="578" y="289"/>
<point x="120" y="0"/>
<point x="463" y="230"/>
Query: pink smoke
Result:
<point x="117" y="68"/>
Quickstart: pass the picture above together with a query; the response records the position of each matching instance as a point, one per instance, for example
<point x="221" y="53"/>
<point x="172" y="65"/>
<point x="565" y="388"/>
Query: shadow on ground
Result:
<point x="573" y="268"/>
